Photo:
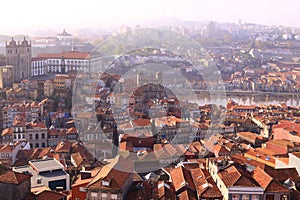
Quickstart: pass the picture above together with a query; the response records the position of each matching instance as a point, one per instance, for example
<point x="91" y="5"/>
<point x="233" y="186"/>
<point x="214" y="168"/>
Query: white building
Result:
<point x="64" y="38"/>
<point x="46" y="172"/>
<point x="64" y="62"/>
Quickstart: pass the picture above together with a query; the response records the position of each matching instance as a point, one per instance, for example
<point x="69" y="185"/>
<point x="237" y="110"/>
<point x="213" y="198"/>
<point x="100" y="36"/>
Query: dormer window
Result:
<point x="105" y="183"/>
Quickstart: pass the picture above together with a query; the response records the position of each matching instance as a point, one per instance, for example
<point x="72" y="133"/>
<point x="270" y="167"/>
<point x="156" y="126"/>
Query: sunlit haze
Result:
<point x="31" y="15"/>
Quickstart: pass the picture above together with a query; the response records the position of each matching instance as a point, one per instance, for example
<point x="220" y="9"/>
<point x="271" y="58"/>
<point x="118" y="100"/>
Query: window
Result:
<point x="37" y="145"/>
<point x="235" y="197"/>
<point x="43" y="144"/>
<point x="37" y="136"/>
<point x="255" y="197"/>
<point x="94" y="196"/>
<point x="39" y="180"/>
<point x="114" y="196"/>
<point x="284" y="197"/>
<point x="30" y="136"/>
<point x="270" y="197"/>
<point x="43" y="135"/>
<point x="245" y="197"/>
<point x="103" y="196"/>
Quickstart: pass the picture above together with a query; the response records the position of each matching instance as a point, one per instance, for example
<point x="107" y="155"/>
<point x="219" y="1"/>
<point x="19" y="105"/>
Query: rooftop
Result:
<point x="11" y="177"/>
<point x="45" y="165"/>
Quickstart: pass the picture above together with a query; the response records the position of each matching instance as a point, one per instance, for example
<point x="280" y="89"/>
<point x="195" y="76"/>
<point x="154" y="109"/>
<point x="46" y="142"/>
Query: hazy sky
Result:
<point x="24" y="16"/>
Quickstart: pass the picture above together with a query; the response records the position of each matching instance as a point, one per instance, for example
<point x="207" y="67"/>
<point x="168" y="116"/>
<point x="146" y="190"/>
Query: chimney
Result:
<point x="85" y="174"/>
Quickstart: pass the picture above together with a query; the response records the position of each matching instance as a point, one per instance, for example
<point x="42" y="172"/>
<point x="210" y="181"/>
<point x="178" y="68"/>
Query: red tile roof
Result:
<point x="80" y="181"/>
<point x="116" y="179"/>
<point x="187" y="194"/>
<point x="242" y="160"/>
<point x="283" y="174"/>
<point x="249" y="135"/>
<point x="7" y="148"/>
<point x="139" y="141"/>
<point x="11" y="177"/>
<point x="141" y="122"/>
<point x="181" y="178"/>
<point x="72" y="130"/>
<point x="220" y="150"/>
<point x="289" y="126"/>
<point x="267" y="182"/>
<point x="63" y="147"/>
<point x="165" y="190"/>
<point x="205" y="185"/>
<point x="297" y="154"/>
<point x="32" y="125"/>
<point x="233" y="176"/>
<point x="66" y="55"/>
<point x="47" y="195"/>
<point x="7" y="132"/>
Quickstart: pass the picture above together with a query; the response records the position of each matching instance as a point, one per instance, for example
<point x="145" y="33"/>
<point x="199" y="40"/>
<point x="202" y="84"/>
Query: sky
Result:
<point x="25" y="16"/>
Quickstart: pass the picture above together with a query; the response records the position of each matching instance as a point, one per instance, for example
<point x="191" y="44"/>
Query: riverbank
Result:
<point x="249" y="93"/>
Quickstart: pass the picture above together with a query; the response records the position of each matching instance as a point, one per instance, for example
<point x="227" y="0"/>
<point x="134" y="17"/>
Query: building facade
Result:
<point x="65" y="62"/>
<point x="29" y="111"/>
<point x="6" y="76"/>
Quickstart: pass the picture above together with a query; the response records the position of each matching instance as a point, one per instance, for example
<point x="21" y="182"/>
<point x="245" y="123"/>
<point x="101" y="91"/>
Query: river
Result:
<point x="248" y="99"/>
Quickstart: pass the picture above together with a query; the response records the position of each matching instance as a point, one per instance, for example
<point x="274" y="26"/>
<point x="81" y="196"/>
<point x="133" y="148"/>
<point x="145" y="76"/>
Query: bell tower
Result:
<point x="18" y="54"/>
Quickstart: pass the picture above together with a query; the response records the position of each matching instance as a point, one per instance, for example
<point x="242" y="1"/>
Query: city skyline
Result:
<point x="27" y="17"/>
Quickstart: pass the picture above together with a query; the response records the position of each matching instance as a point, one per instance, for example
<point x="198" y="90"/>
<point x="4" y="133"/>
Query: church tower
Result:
<point x="19" y="56"/>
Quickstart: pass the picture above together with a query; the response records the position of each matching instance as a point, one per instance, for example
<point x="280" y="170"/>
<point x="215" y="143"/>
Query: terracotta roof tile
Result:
<point x="165" y="190"/>
<point x="63" y="147"/>
<point x="32" y="125"/>
<point x="47" y="195"/>
<point x="261" y="177"/>
<point x="282" y="175"/>
<point x="187" y="194"/>
<point x="71" y="130"/>
<point x="205" y="185"/>
<point x="80" y="181"/>
<point x="233" y="176"/>
<point x="12" y="177"/>
<point x="66" y="55"/>
<point x="111" y="173"/>
<point x="181" y="177"/>
<point x="297" y="154"/>
<point x="267" y="182"/>
<point x="250" y="135"/>
<point x="240" y="159"/>
<point x="7" y="132"/>
<point x="147" y="142"/>
<point x="288" y="125"/>
<point x="141" y="122"/>
<point x="7" y="148"/>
